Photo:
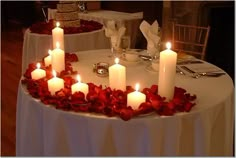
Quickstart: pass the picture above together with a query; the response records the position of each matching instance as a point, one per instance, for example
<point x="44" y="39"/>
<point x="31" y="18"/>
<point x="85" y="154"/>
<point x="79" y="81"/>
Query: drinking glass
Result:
<point x="125" y="43"/>
<point x="115" y="49"/>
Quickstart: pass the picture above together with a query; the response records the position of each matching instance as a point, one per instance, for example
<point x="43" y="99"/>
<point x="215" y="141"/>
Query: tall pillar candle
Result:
<point x="58" y="36"/>
<point x="134" y="99"/>
<point x="167" y="71"/>
<point x="55" y="84"/>
<point x="58" y="59"/>
<point x="82" y="87"/>
<point x="117" y="76"/>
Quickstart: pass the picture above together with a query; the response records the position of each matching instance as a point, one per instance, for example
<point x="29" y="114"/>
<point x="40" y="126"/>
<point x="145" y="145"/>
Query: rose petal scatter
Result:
<point x="103" y="100"/>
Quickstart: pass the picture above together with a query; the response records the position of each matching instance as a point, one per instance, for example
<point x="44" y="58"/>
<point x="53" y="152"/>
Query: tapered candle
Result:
<point x="58" y="59"/>
<point x="55" y="84"/>
<point x="48" y="59"/>
<point x="167" y="71"/>
<point x="117" y="76"/>
<point x="38" y="73"/>
<point x="135" y="98"/>
<point x="82" y="87"/>
<point x="58" y="36"/>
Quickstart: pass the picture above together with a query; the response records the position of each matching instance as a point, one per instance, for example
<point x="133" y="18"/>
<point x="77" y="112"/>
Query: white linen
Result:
<point x="131" y="21"/>
<point x="36" y="46"/>
<point x="207" y="130"/>
<point x="151" y="33"/>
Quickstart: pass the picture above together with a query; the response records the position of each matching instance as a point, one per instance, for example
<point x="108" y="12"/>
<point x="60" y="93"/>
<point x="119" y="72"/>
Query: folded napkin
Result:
<point x="151" y="33"/>
<point x="114" y="33"/>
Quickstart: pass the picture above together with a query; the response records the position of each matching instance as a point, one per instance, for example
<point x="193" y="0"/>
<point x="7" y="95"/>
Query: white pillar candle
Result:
<point x="117" y="76"/>
<point x="48" y="59"/>
<point x="167" y="71"/>
<point x="58" y="36"/>
<point x="82" y="87"/>
<point x="58" y="59"/>
<point x="55" y="83"/>
<point x="135" y="98"/>
<point x="38" y="73"/>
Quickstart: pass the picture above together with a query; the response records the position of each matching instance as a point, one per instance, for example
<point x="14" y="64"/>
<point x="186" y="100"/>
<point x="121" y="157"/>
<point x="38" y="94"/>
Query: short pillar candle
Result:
<point x="134" y="99"/>
<point x="82" y="87"/>
<point x="38" y="73"/>
<point x="48" y="59"/>
<point x="117" y="76"/>
<point x="55" y="84"/>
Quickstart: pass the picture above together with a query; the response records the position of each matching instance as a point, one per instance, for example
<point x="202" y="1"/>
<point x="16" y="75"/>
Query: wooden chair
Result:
<point x="189" y="39"/>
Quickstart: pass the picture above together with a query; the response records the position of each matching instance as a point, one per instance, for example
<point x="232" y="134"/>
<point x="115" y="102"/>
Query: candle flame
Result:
<point x="54" y="73"/>
<point x="116" y="60"/>
<point x="49" y="52"/>
<point x="79" y="78"/>
<point x="58" y="45"/>
<point x="58" y="24"/>
<point x="38" y="65"/>
<point x="137" y="87"/>
<point x="168" y="45"/>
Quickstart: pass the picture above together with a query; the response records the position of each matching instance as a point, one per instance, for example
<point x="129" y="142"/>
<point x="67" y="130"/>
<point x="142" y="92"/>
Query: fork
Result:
<point x="208" y="74"/>
<point x="179" y="71"/>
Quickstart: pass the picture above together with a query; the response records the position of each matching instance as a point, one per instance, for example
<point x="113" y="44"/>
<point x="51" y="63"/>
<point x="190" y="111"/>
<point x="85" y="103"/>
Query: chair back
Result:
<point x="190" y="39"/>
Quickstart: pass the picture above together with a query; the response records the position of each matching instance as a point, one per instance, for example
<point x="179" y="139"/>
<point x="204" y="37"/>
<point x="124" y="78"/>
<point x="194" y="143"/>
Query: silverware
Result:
<point x="147" y="57"/>
<point x="187" y="69"/>
<point x="200" y="74"/>
<point x="179" y="71"/>
<point x="189" y="62"/>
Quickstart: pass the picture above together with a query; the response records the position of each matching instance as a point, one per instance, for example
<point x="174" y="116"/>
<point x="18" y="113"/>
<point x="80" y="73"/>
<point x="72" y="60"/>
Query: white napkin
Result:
<point x="114" y="33"/>
<point x="151" y="33"/>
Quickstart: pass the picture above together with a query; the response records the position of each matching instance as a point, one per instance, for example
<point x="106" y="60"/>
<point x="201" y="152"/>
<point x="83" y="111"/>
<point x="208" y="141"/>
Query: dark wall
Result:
<point x="152" y="9"/>
<point x="221" y="43"/>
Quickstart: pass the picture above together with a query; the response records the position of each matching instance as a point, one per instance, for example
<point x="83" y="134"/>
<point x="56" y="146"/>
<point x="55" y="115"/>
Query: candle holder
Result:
<point x="101" y="69"/>
<point x="82" y="5"/>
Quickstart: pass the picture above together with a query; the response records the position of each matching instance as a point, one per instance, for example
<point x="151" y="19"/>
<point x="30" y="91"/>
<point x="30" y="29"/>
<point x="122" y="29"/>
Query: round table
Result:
<point x="207" y="130"/>
<point x="36" y="45"/>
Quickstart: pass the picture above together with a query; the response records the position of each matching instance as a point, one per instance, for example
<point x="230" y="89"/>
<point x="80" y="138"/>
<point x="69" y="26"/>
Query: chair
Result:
<point x="190" y="39"/>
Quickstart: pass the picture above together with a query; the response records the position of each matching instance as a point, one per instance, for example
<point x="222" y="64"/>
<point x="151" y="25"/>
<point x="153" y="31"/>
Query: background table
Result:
<point x="130" y="20"/>
<point x="36" y="46"/>
<point x="207" y="130"/>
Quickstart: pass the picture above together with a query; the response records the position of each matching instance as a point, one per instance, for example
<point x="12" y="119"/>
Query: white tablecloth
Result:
<point x="207" y="130"/>
<point x="130" y="20"/>
<point x="36" y="46"/>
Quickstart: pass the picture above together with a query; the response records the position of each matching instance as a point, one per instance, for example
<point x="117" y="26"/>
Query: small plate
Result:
<point x="150" y="69"/>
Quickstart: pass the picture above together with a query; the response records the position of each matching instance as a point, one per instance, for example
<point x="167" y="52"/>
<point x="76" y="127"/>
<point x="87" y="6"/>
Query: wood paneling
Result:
<point x="11" y="52"/>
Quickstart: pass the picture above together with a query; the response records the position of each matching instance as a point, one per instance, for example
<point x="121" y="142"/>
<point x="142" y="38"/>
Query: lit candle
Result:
<point x="135" y="98"/>
<point x="117" y="76"/>
<point x="167" y="71"/>
<point x="55" y="83"/>
<point x="58" y="36"/>
<point x="48" y="59"/>
<point x="82" y="87"/>
<point x="38" y="73"/>
<point x="58" y="59"/>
